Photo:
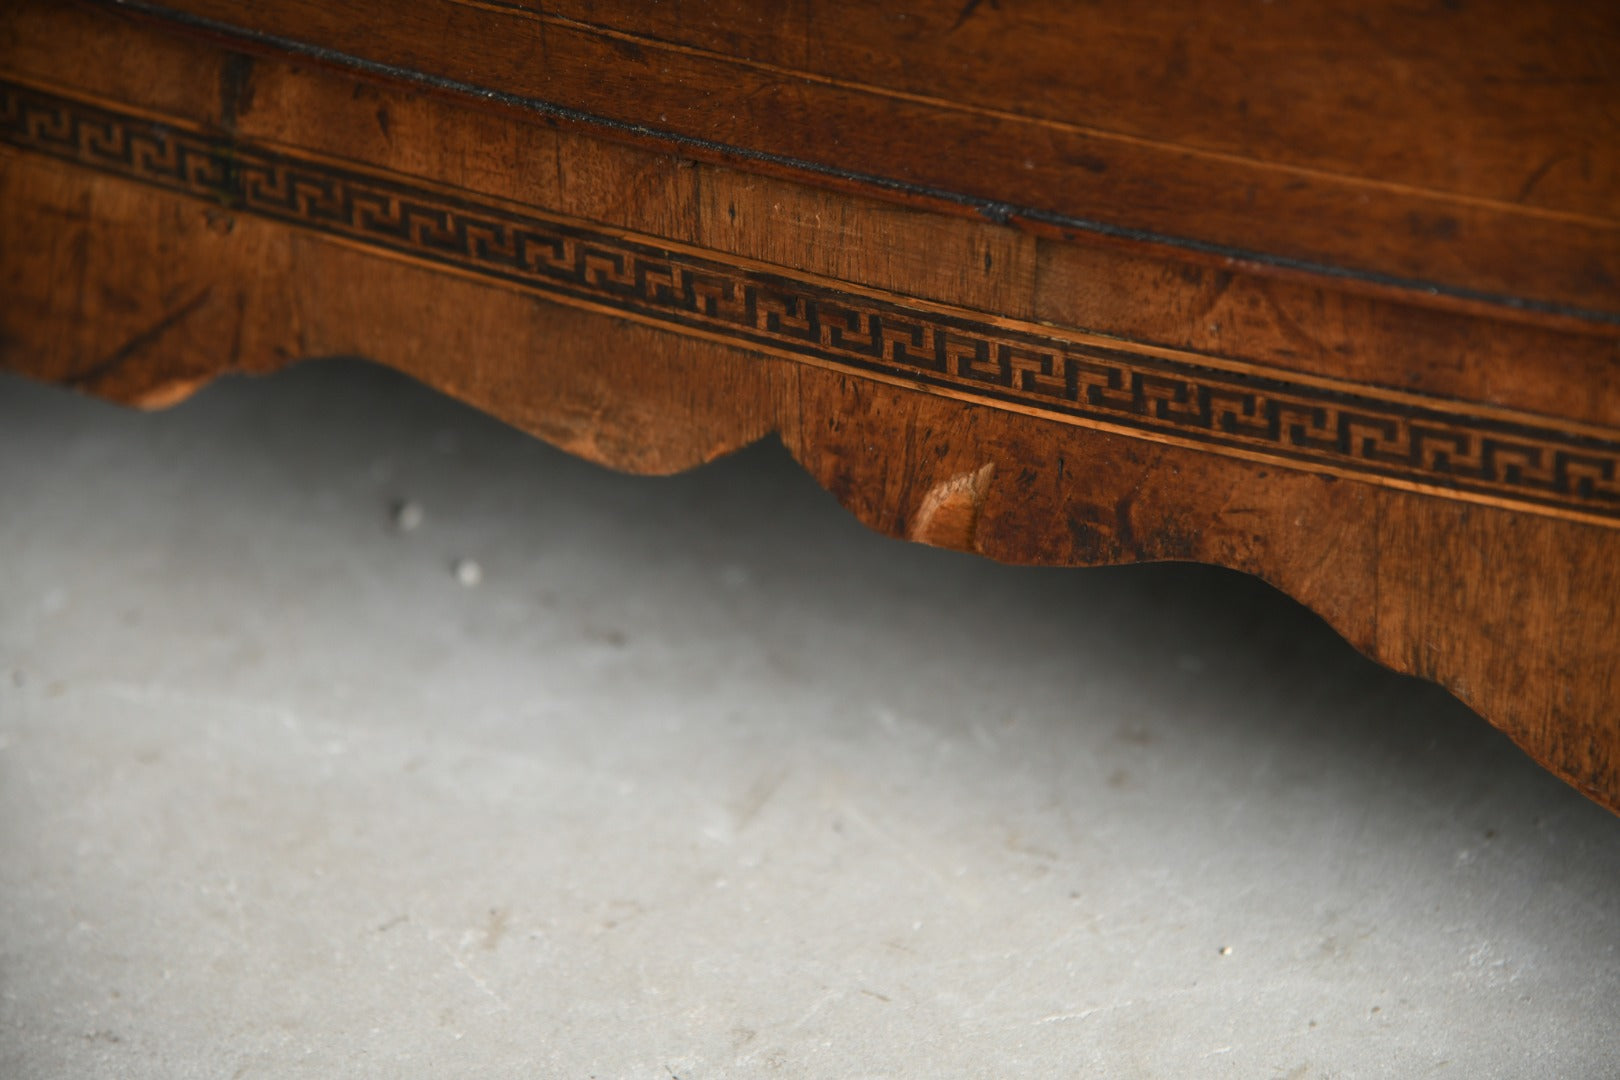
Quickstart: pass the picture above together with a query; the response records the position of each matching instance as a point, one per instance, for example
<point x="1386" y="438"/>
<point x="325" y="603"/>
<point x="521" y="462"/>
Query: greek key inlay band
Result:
<point x="1365" y="433"/>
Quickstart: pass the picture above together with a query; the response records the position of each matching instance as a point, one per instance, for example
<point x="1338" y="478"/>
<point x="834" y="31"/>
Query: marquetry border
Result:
<point x="1363" y="432"/>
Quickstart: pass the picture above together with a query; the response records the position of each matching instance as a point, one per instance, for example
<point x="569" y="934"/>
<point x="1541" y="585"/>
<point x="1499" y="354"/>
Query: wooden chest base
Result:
<point x="1433" y="471"/>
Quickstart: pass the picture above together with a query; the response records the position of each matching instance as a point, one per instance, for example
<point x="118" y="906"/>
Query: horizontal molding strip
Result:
<point x="1365" y="433"/>
<point x="996" y="210"/>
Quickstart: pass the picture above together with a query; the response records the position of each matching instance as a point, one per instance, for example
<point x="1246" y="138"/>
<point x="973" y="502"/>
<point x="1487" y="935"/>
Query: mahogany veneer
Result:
<point x="1328" y="292"/>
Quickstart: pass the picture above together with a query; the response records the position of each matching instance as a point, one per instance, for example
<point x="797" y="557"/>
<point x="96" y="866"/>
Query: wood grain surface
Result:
<point x="1099" y="305"/>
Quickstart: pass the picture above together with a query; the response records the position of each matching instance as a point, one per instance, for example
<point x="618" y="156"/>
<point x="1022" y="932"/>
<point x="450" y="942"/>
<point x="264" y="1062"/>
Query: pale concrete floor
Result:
<point x="704" y="780"/>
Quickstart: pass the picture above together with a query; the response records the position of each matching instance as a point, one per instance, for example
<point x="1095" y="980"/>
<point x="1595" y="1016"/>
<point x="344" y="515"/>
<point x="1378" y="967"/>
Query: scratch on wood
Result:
<point x="139" y="343"/>
<point x="968" y="9"/>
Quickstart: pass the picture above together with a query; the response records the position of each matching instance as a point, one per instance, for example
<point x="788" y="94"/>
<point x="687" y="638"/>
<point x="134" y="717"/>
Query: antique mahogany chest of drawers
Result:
<point x="1327" y="292"/>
